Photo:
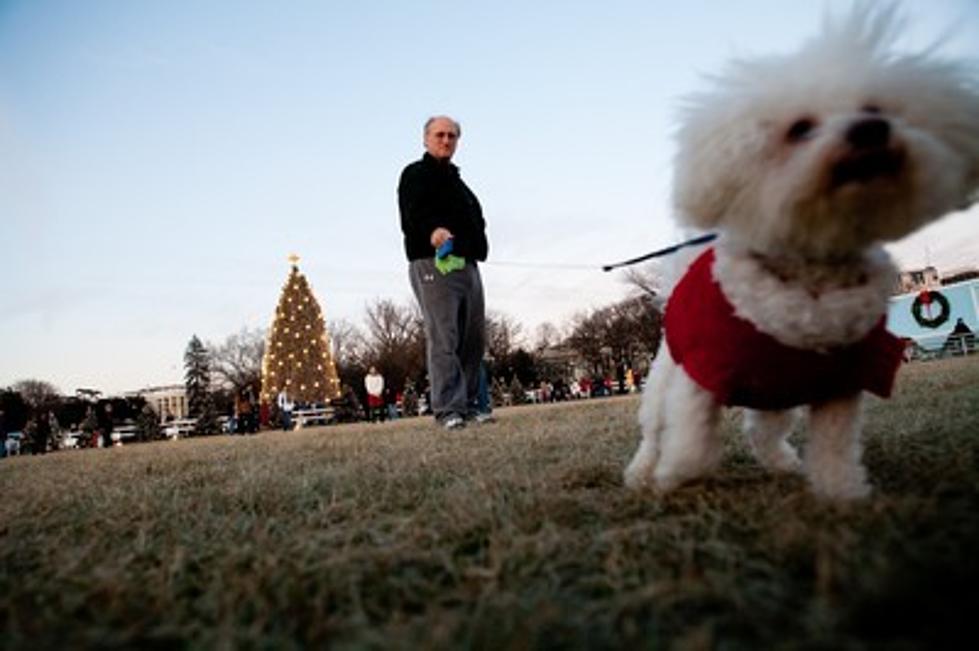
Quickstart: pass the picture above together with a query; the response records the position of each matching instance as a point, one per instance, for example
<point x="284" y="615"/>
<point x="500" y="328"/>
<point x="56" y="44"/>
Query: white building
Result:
<point x="166" y="401"/>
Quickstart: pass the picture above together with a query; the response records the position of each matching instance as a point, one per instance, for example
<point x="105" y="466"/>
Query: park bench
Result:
<point x="179" y="428"/>
<point x="309" y="416"/>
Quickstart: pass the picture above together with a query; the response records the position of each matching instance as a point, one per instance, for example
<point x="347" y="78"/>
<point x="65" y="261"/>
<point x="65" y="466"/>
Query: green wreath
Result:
<point x="926" y="298"/>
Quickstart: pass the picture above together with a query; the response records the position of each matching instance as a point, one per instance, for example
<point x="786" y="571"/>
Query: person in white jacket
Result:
<point x="374" y="383"/>
<point x="286" y="406"/>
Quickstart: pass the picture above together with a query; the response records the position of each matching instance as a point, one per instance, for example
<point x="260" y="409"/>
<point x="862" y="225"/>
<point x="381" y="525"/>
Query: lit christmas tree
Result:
<point x="297" y="354"/>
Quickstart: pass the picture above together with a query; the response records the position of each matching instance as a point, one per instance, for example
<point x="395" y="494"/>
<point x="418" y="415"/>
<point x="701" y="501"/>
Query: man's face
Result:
<point x="441" y="138"/>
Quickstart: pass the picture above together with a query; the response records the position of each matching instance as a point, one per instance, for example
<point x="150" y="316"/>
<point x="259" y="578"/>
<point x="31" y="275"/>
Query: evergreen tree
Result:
<point x="197" y="379"/>
<point x="207" y="421"/>
<point x="297" y="356"/>
<point x="148" y="425"/>
<point x="518" y="394"/>
<point x="197" y="376"/>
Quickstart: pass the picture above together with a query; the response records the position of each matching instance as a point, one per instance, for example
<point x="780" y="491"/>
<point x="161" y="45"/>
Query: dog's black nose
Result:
<point x="869" y="133"/>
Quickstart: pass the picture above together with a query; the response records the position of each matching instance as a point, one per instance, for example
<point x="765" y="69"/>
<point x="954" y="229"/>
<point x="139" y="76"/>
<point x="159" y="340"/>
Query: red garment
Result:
<point x="374" y="401"/>
<point x="741" y="366"/>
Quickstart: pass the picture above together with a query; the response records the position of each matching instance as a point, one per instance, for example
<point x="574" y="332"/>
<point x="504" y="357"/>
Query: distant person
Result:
<point x="90" y="427"/>
<point x="444" y="239"/>
<point x="264" y="415"/>
<point x="41" y="434"/>
<point x="374" y="385"/>
<point x="351" y="404"/>
<point x="55" y="428"/>
<point x="409" y="400"/>
<point x="246" y="417"/>
<point x="391" y="400"/>
<point x="484" y="402"/>
<point x="285" y="406"/>
<point x="961" y="340"/>
<point x="961" y="328"/>
<point x="105" y="425"/>
<point x="11" y="444"/>
<point x="254" y="410"/>
<point x="27" y="436"/>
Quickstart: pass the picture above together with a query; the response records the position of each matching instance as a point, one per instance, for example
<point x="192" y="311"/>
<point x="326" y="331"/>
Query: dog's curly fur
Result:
<point x="805" y="163"/>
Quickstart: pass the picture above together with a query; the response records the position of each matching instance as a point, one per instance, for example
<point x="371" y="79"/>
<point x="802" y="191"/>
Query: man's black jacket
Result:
<point x="431" y="194"/>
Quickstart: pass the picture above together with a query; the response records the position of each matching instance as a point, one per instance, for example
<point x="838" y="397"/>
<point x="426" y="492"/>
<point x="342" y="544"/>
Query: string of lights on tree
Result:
<point x="297" y="354"/>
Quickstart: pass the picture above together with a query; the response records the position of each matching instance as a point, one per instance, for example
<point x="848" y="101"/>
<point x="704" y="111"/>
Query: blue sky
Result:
<point x="160" y="160"/>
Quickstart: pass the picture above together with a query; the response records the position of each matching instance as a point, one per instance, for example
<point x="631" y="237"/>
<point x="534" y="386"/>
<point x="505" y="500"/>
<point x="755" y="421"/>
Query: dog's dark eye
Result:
<point x="800" y="129"/>
<point x="871" y="108"/>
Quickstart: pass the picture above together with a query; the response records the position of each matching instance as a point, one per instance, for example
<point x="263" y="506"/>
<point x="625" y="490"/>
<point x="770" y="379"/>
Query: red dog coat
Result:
<point x="741" y="366"/>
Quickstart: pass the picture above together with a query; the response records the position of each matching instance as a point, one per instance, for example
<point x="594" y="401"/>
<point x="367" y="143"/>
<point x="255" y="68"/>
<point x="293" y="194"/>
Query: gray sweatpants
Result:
<point x="455" y="333"/>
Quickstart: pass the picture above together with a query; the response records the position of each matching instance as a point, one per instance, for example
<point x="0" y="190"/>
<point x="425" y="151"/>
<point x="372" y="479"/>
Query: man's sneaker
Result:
<point x="453" y="422"/>
<point x="483" y="419"/>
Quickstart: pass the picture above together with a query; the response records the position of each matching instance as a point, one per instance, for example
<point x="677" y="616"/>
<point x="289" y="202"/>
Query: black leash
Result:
<point x="703" y="239"/>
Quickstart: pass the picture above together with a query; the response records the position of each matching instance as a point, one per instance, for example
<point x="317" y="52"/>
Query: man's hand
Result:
<point x="439" y="236"/>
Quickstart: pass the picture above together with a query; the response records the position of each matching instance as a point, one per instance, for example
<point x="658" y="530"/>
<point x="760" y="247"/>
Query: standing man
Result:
<point x="441" y="216"/>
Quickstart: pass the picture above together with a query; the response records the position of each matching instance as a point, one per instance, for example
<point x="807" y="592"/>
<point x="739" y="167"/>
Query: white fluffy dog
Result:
<point x="804" y="164"/>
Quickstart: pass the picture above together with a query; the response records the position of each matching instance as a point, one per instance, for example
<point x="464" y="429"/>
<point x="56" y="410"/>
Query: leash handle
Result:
<point x="703" y="239"/>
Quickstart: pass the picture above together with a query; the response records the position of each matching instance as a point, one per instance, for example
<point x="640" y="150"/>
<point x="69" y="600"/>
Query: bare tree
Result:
<point x="237" y="362"/>
<point x="588" y="338"/>
<point x="503" y="335"/>
<point x="390" y="328"/>
<point x="394" y="341"/>
<point x="348" y="343"/>
<point x="643" y="316"/>
<point x="650" y="280"/>
<point x="37" y="394"/>
<point x="623" y="333"/>
<point x="546" y="336"/>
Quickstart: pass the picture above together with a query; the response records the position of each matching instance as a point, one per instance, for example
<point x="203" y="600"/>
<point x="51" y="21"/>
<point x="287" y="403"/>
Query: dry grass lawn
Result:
<point x="508" y="536"/>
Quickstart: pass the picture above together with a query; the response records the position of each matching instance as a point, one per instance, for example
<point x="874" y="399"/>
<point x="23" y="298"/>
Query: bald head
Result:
<point x="441" y="136"/>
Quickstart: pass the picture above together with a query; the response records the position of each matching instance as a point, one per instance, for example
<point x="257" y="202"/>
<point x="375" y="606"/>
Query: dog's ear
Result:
<point x="716" y="167"/>
<point x="705" y="183"/>
<point x="700" y="205"/>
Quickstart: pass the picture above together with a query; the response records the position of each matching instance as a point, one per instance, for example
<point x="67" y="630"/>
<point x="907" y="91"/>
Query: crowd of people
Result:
<point x="43" y="433"/>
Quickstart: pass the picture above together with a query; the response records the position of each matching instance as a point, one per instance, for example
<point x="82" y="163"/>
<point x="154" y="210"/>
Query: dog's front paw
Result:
<point x="664" y="483"/>
<point x="635" y="479"/>
<point x="638" y="474"/>
<point x="841" y="486"/>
